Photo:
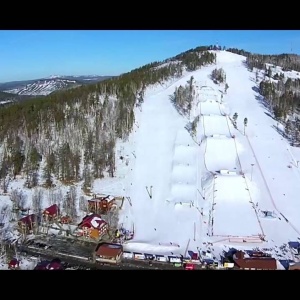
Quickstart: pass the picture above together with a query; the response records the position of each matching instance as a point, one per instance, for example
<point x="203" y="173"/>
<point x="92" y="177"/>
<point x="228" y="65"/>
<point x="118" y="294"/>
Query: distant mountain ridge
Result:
<point x="46" y="86"/>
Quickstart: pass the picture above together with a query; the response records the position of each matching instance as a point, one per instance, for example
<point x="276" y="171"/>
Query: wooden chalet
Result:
<point x="101" y="204"/>
<point x="28" y="223"/>
<point x="108" y="253"/>
<point x="253" y="263"/>
<point x="92" y="226"/>
<point x="51" y="213"/>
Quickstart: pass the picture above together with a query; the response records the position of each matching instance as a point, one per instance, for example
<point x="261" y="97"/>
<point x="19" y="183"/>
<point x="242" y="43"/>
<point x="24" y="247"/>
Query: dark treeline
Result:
<point x="281" y="93"/>
<point x="71" y="135"/>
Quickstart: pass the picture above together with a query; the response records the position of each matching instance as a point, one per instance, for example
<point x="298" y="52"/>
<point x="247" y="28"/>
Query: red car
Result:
<point x="189" y="267"/>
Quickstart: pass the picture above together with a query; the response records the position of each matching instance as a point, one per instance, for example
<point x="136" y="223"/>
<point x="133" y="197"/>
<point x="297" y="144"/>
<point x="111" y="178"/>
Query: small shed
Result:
<point x="51" y="213"/>
<point x="109" y="253"/>
<point x="101" y="204"/>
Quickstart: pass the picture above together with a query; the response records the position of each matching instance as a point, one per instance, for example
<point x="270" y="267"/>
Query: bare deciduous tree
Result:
<point x="55" y="197"/>
<point x="5" y="214"/>
<point x="112" y="218"/>
<point x="37" y="199"/>
<point x="83" y="204"/>
<point x="18" y="198"/>
<point x="51" y="196"/>
<point x="59" y="198"/>
<point x="70" y="203"/>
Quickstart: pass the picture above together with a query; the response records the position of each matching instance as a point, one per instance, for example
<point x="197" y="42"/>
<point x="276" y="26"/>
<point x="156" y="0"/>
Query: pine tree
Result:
<point x="234" y="118"/>
<point x="288" y="128"/>
<point x="245" y="125"/>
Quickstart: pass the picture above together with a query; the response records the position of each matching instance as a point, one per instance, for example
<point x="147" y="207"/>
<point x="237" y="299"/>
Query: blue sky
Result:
<point x="40" y="53"/>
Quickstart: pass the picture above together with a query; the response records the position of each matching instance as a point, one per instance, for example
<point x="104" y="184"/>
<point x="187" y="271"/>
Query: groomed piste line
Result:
<point x="241" y="168"/>
<point x="210" y="219"/>
<point x="205" y="151"/>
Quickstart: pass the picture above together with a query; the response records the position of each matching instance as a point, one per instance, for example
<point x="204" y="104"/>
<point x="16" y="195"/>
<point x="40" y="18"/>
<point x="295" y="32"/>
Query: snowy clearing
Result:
<point x="221" y="154"/>
<point x="215" y="125"/>
<point x="233" y="208"/>
<point x="170" y="161"/>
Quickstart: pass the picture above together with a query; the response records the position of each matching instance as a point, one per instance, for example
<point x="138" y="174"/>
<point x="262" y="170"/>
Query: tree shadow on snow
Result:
<point x="252" y="79"/>
<point x="281" y="132"/>
<point x="269" y="115"/>
<point x="244" y="63"/>
<point x="261" y="100"/>
<point x="177" y="107"/>
<point x="285" y="136"/>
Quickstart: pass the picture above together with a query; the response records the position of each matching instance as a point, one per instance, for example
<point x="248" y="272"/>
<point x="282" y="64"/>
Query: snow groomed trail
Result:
<point x="272" y="184"/>
<point x="166" y="163"/>
<point x="230" y="203"/>
<point x="215" y="187"/>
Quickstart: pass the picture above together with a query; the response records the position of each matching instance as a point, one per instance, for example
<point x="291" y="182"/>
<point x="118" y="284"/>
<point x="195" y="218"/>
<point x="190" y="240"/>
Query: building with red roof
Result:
<point x="92" y="226"/>
<point x="28" y="223"/>
<point x="108" y="252"/>
<point x="51" y="213"/>
<point x="241" y="261"/>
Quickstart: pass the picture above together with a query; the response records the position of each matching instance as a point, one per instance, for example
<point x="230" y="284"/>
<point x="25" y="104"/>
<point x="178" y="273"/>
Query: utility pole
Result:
<point x="251" y="170"/>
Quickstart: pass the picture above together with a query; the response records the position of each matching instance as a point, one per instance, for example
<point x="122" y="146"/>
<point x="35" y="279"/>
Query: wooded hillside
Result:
<point x="71" y="135"/>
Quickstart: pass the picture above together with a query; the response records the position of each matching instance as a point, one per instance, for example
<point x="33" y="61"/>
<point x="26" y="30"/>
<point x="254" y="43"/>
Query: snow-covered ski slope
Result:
<point x="185" y="192"/>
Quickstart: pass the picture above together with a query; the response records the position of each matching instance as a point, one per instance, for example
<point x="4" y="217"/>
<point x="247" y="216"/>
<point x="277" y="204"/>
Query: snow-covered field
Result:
<point x="181" y="196"/>
<point x="215" y="125"/>
<point x="220" y="154"/>
<point x="233" y="208"/>
<point x="175" y="168"/>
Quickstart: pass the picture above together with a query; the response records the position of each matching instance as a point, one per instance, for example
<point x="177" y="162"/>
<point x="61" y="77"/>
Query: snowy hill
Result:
<point x="48" y="85"/>
<point x="43" y="87"/>
<point x="214" y="189"/>
<point x="196" y="177"/>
